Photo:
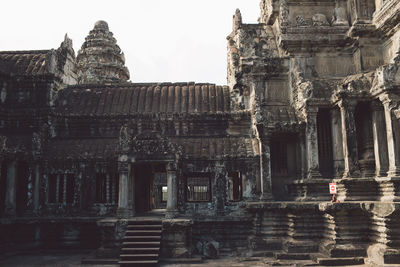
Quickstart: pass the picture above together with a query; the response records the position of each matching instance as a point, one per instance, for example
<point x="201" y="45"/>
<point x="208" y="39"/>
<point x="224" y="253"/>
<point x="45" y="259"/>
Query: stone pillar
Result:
<point x="11" y="193"/>
<point x="125" y="209"/>
<point x="108" y="186"/>
<point x="340" y="14"/>
<point x="349" y="137"/>
<point x="64" y="181"/>
<point x="114" y="188"/>
<point x="58" y="197"/>
<point x="380" y="141"/>
<point x="172" y="185"/>
<point x="303" y="155"/>
<point x="265" y="166"/>
<point x="337" y="143"/>
<point x="312" y="144"/>
<point x="80" y="187"/>
<point x="36" y="189"/>
<point x="392" y="141"/>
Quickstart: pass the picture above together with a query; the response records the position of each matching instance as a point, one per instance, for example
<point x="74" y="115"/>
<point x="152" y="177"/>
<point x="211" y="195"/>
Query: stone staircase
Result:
<point x="141" y="244"/>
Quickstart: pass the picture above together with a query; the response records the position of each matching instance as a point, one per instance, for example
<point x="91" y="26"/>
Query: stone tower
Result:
<point x="100" y="60"/>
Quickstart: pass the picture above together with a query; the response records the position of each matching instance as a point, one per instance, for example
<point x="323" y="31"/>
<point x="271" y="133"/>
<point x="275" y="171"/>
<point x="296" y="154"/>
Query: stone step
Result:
<point x="142" y="238"/>
<point x="147" y="222"/>
<point x="140" y="250"/>
<point x="292" y="256"/>
<point x="180" y="261"/>
<point x="289" y="263"/>
<point x="96" y="261"/>
<point x="141" y="244"/>
<point x="142" y="232"/>
<point x="145" y="237"/>
<point x="340" y="261"/>
<point x="348" y="252"/>
<point x="144" y="227"/>
<point x="138" y="263"/>
<point x="271" y="245"/>
<point x="263" y="253"/>
<point x="300" y="247"/>
<point x="139" y="256"/>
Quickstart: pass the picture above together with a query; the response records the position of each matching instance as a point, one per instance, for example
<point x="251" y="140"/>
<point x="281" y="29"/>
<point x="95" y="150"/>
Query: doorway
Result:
<point x="3" y="186"/>
<point x="22" y="181"/>
<point x="150" y="186"/>
<point x="285" y="163"/>
<point x="325" y="151"/>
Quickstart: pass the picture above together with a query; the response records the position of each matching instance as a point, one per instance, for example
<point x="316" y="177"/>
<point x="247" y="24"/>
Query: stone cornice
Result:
<point x="387" y="17"/>
<point x="301" y="39"/>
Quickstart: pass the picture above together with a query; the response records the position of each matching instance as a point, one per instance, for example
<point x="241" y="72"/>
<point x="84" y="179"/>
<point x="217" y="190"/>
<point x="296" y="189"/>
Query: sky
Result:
<point x="163" y="40"/>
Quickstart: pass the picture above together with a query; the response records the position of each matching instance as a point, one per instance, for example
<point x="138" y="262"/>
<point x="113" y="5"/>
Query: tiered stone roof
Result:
<point x="24" y="62"/>
<point x="145" y="98"/>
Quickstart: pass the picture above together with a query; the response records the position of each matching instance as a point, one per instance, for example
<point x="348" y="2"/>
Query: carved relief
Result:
<point x="300" y="21"/>
<point x="362" y="9"/>
<point x="319" y="20"/>
<point x="124" y="138"/>
<point x="152" y="145"/>
<point x="284" y="14"/>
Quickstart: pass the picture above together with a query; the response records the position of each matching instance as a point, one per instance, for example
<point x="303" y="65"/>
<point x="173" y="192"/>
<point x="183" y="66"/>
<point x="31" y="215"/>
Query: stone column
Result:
<point x="265" y="166"/>
<point x="303" y="155"/>
<point x="392" y="141"/>
<point x="340" y="14"/>
<point x="380" y="141"/>
<point x="349" y="137"/>
<point x="36" y="189"/>
<point x="312" y="144"/>
<point x="124" y="208"/>
<point x="108" y="186"/>
<point x="64" y="181"/>
<point x="172" y="185"/>
<point x="337" y="142"/>
<point x="58" y="197"/>
<point x="11" y="193"/>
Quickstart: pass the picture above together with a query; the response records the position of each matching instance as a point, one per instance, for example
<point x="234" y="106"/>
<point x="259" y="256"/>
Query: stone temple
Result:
<point x="183" y="170"/>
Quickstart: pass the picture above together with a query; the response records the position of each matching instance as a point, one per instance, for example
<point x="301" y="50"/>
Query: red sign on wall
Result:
<point x="332" y="188"/>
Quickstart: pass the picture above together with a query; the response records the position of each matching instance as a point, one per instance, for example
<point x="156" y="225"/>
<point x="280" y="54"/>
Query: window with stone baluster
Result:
<point x="198" y="188"/>
<point x="61" y="188"/>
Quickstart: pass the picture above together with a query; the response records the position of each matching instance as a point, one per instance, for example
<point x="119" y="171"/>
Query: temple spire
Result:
<point x="100" y="60"/>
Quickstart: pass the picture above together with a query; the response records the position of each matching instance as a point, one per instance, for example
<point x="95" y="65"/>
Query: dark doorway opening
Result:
<point x="365" y="141"/>
<point x="325" y="152"/>
<point x="22" y="186"/>
<point x="3" y="186"/>
<point x="149" y="179"/>
<point x="285" y="163"/>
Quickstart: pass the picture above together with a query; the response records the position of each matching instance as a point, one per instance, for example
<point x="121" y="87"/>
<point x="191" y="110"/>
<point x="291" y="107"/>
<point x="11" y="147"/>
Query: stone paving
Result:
<point x="60" y="258"/>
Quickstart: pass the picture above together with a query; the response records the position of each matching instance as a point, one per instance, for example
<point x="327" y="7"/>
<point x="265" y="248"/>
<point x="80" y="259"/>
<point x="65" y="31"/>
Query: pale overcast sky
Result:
<point x="163" y="40"/>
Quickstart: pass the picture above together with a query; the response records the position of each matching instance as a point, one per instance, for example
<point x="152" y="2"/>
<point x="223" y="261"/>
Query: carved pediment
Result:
<point x="149" y="145"/>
